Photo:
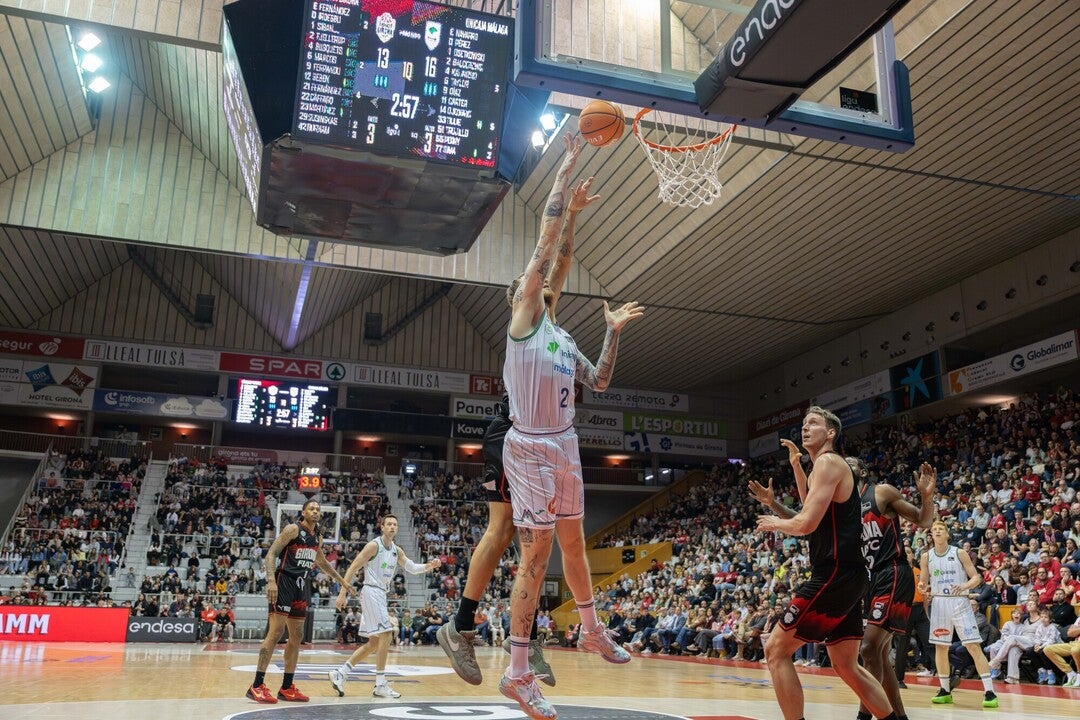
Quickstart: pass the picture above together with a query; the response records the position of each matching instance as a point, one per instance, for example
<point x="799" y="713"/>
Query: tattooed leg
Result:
<point x="535" y="551"/>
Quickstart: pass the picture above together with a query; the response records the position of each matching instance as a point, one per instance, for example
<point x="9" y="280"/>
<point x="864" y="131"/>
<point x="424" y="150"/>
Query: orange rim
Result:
<point x="677" y="148"/>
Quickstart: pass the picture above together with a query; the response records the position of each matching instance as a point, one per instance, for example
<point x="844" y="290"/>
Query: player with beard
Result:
<point x="288" y="588"/>
<point x="827" y="607"/>
<point x="456" y="636"/>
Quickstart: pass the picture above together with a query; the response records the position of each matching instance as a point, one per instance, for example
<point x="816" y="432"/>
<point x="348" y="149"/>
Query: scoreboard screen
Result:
<point x="273" y="404"/>
<point x="403" y="77"/>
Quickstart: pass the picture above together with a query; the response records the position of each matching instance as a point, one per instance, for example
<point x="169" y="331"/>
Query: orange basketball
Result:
<point x="601" y="123"/>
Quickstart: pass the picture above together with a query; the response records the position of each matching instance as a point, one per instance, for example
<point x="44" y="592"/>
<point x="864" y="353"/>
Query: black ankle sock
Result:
<point x="466" y="614"/>
<point x="532" y="633"/>
<point x="259" y="678"/>
<point x="863" y="715"/>
<point x="286" y="683"/>
<point x="901" y="717"/>
<point x="890" y="716"/>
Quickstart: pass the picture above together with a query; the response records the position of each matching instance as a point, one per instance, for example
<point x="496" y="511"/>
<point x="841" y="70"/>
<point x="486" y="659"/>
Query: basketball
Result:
<point x="601" y="123"/>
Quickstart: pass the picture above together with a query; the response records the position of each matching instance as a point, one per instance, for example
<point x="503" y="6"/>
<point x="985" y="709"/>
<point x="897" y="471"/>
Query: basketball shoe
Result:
<point x="337" y="681"/>
<point x="524" y="691"/>
<point x="458" y="646"/>
<point x="385" y="691"/>
<point x="261" y="694"/>
<point x="602" y="643"/>
<point x="990" y="700"/>
<point x="943" y="697"/>
<point x="537" y="663"/>
<point x="292" y="694"/>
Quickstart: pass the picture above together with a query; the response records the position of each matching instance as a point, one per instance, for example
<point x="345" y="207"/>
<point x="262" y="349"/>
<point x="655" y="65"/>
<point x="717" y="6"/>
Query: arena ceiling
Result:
<point x="808" y="243"/>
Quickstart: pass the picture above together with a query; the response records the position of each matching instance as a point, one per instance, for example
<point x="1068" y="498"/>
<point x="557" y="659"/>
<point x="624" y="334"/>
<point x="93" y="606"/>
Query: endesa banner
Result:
<point x="25" y="623"/>
<point x="161" y="629"/>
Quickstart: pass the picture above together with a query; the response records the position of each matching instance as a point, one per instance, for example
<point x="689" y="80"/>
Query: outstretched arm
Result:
<point x="564" y="256"/>
<point x="416" y="568"/>
<point x="764" y="494"/>
<point x="828" y="472"/>
<point x="528" y="299"/>
<point x="923" y="516"/>
<point x="794" y="457"/>
<point x="598" y="377"/>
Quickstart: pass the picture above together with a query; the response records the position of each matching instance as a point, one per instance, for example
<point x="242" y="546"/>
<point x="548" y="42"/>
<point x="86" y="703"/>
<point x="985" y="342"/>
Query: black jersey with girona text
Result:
<point x="880" y="534"/>
<point x="298" y="559"/>
<point x="836" y="541"/>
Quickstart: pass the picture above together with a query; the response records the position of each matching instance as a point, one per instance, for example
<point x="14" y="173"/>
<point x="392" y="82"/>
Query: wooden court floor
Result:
<point x="68" y="681"/>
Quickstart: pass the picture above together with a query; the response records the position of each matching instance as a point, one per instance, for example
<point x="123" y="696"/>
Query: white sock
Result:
<point x="519" y="656"/>
<point x="346" y="667"/>
<point x="944" y="680"/>
<point x="380" y="679"/>
<point x="988" y="684"/>
<point x="587" y="614"/>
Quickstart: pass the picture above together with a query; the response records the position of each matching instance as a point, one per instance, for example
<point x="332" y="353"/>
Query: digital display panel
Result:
<point x="274" y="404"/>
<point x="240" y="120"/>
<point x="407" y="78"/>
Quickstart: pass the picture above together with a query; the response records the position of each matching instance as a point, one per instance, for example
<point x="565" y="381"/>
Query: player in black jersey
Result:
<point x="827" y="607"/>
<point x="892" y="583"/>
<point x="456" y="636"/>
<point x="290" y="564"/>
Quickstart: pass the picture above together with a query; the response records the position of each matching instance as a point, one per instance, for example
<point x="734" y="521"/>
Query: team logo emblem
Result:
<point x="552" y="346"/>
<point x="878" y="611"/>
<point x="385" y="25"/>
<point x="432" y="34"/>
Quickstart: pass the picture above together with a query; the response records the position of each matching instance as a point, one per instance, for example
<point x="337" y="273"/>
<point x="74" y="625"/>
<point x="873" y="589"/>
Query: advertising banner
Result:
<point x="50" y="385"/>
<point x="587" y="418"/>
<point x="604" y="439"/>
<point x="862" y="389"/>
<point x="410" y="378"/>
<point x="674" y="444"/>
<point x="268" y="365"/>
<point x="916" y="382"/>
<point x="486" y="385"/>
<point x="161" y="404"/>
<point x="468" y="429"/>
<point x="778" y="419"/>
<point x="1053" y="351"/>
<point x="761" y="446"/>
<point x="864" y="411"/>
<point x="246" y="456"/>
<point x="159" y="356"/>
<point x="637" y="399"/>
<point x="21" y="343"/>
<point x="461" y="406"/>
<point x="24" y="623"/>
<point x="161" y="629"/>
<point x="675" y="425"/>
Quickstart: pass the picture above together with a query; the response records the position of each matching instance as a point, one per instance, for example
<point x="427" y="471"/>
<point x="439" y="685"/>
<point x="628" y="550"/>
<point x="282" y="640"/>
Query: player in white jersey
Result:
<point x="380" y="559"/>
<point x="540" y="453"/>
<point x="951" y="576"/>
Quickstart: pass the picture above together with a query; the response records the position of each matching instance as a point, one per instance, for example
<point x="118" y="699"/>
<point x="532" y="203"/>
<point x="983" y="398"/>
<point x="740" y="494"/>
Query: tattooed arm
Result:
<point x="598" y="377"/>
<point x="528" y="300"/>
<point x="564" y="256"/>
<point x="287" y="536"/>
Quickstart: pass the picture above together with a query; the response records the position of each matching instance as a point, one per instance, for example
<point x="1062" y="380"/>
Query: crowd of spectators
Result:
<point x="69" y="537"/>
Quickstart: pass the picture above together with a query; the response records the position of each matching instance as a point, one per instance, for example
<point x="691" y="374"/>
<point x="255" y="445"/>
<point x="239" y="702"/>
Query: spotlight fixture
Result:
<point x="930" y="326"/>
<point x="982" y="305"/>
<point x="537" y="139"/>
<point x="906" y="336"/>
<point x="1075" y="267"/>
<point x="1010" y="293"/>
<point x="547" y="121"/>
<point x="885" y="345"/>
<point x="89" y="41"/>
<point x="91" y="63"/>
<point x="1042" y="280"/>
<point x="99" y="84"/>
<point x="795" y="382"/>
<point x="827" y="369"/>
<point x="864" y="354"/>
<point x="762" y="396"/>
<point x="810" y="375"/>
<point x="845" y="362"/>
<point x="955" y="317"/>
<point x="778" y="389"/>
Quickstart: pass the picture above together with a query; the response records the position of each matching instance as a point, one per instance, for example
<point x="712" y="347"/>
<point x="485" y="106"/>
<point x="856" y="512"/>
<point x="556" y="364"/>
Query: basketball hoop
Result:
<point x="689" y="173"/>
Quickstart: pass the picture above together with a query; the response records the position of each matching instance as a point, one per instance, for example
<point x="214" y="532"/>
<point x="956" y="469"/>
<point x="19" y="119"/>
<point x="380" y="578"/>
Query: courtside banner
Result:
<point x="637" y="399"/>
<point x="25" y="623"/>
<point x="1053" y="351"/>
<point x="161" y="629"/>
<point x="159" y="356"/>
<point x="20" y="343"/>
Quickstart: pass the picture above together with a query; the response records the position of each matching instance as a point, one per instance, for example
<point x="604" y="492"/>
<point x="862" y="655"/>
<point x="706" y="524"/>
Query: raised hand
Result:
<point x="793" y="452"/>
<point x="579" y="195"/>
<point x="618" y="318"/>
<point x="926" y="480"/>
<point x="768" y="523"/>
<point x="762" y="493"/>
<point x="573" y="149"/>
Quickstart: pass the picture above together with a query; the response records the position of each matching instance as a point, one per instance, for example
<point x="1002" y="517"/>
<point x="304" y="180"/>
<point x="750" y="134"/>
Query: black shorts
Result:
<point x="293" y="593"/>
<point x="828" y="606"/>
<point x="496" y="488"/>
<point x="889" y="599"/>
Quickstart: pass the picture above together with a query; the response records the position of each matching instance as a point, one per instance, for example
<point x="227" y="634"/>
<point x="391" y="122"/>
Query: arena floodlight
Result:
<point x="99" y="84"/>
<point x="89" y="41"/>
<point x="538" y="139"/>
<point x="91" y="63"/>
<point x="547" y="121"/>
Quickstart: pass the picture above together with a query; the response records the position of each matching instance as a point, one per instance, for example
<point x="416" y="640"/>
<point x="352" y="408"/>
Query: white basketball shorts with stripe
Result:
<point x="544" y="474"/>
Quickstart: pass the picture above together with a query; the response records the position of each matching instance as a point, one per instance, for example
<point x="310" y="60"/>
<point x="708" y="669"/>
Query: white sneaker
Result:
<point x="925" y="673"/>
<point x="603" y="644"/>
<point x="385" y="691"/>
<point x="337" y="681"/>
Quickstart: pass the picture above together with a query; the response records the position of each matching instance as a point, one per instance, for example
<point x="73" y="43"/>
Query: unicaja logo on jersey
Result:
<point x="553" y="346"/>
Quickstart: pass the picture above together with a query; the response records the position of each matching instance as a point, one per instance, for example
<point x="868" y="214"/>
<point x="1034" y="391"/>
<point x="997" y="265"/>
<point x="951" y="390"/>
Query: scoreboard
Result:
<point x="404" y="78"/>
<point x="273" y="404"/>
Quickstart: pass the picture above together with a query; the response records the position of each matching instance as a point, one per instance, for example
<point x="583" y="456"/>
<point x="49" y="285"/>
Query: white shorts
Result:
<point x="374" y="614"/>
<point x="952" y="613"/>
<point x="544" y="475"/>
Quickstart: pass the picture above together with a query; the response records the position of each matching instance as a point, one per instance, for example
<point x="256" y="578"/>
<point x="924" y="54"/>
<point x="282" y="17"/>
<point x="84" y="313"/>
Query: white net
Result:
<point x="329" y="525"/>
<point x="686" y="156"/>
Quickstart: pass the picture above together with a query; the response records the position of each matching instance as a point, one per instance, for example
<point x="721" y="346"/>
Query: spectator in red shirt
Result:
<point x="1051" y="565"/>
<point x="1070" y="586"/>
<point x="1044" y="586"/>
